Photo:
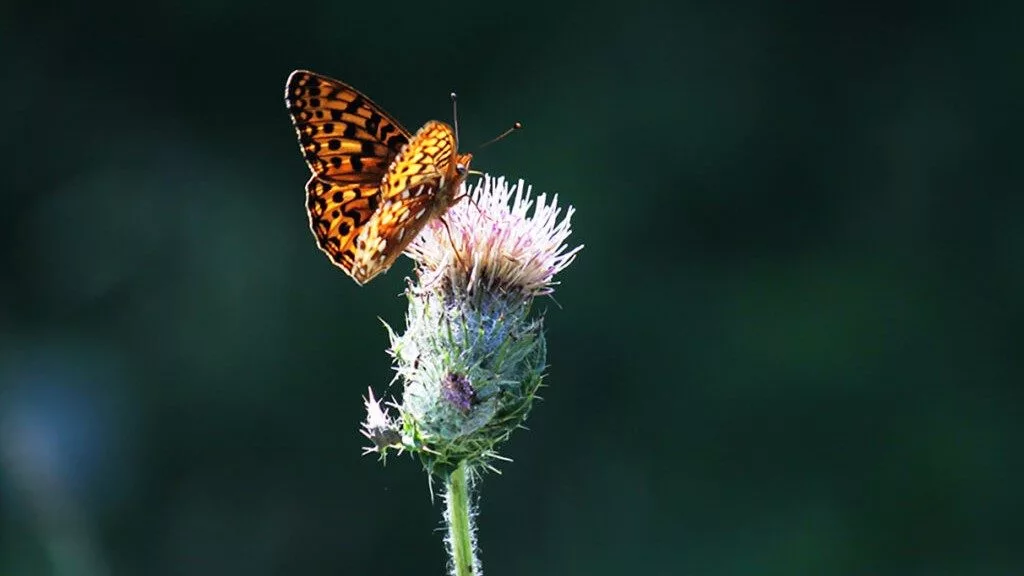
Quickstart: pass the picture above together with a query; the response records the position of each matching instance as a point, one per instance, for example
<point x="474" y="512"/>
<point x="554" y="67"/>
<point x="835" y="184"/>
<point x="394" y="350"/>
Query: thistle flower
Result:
<point x="489" y="245"/>
<point x="472" y="357"/>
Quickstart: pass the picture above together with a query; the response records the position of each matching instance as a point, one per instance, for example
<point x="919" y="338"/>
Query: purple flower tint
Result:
<point x="458" y="391"/>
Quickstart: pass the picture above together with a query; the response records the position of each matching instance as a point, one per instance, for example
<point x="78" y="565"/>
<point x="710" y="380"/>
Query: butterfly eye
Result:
<point x="460" y="168"/>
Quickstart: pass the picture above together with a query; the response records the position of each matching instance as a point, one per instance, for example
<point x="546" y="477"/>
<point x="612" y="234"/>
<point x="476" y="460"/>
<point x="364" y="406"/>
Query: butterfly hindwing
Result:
<point x="344" y="135"/>
<point x="337" y="214"/>
<point x="387" y="234"/>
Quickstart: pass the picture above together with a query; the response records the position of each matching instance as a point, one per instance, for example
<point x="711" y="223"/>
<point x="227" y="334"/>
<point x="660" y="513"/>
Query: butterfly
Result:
<point x="375" y="185"/>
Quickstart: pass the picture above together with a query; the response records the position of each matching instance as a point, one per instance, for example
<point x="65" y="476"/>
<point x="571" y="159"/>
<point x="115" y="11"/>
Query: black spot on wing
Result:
<point x="396" y="141"/>
<point x="373" y="122"/>
<point x="354" y="215"/>
<point x="355" y="104"/>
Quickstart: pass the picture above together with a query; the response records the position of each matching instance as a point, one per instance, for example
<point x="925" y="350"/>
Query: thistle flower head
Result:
<point x="472" y="357"/>
<point x="492" y="242"/>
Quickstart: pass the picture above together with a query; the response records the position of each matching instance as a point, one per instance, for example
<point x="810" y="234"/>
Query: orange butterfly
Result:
<point x="374" y="185"/>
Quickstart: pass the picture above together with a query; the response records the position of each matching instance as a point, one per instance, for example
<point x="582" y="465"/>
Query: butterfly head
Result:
<point x="461" y="166"/>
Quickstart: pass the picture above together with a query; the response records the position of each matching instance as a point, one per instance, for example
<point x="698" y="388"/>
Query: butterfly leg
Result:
<point x="473" y="202"/>
<point x="452" y="240"/>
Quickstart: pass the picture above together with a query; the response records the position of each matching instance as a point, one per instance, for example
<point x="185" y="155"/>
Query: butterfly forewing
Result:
<point x="426" y="161"/>
<point x="344" y="136"/>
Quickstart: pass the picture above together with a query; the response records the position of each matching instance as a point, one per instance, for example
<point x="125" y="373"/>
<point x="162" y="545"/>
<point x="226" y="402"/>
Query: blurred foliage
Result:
<point x="791" y="345"/>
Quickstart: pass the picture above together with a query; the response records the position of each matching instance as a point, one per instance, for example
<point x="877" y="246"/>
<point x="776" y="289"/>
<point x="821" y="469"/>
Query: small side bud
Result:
<point x="379" y="427"/>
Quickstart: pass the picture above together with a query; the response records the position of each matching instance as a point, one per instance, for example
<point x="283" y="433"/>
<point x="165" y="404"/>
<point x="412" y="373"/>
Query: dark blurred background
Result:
<point x="790" y="346"/>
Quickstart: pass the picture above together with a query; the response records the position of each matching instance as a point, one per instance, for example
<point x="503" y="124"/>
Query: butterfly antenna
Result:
<point x="455" y="116"/>
<point x="516" y="126"/>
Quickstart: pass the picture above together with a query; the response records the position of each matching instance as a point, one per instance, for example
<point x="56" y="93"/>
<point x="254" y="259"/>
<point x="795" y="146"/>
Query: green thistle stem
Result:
<point x="460" y="523"/>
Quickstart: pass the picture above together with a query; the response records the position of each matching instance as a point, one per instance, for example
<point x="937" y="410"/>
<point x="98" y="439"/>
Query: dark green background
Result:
<point x="790" y="346"/>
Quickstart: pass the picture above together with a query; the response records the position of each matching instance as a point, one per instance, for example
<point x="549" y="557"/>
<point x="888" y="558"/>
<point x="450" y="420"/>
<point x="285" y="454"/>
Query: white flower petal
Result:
<point x="495" y="243"/>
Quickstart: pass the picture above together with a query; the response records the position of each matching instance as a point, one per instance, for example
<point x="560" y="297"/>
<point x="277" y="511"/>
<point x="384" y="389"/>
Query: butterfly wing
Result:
<point x="337" y="213"/>
<point x="344" y="136"/>
<point x="426" y="162"/>
<point x="348" y="142"/>
<point x="419" y="185"/>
